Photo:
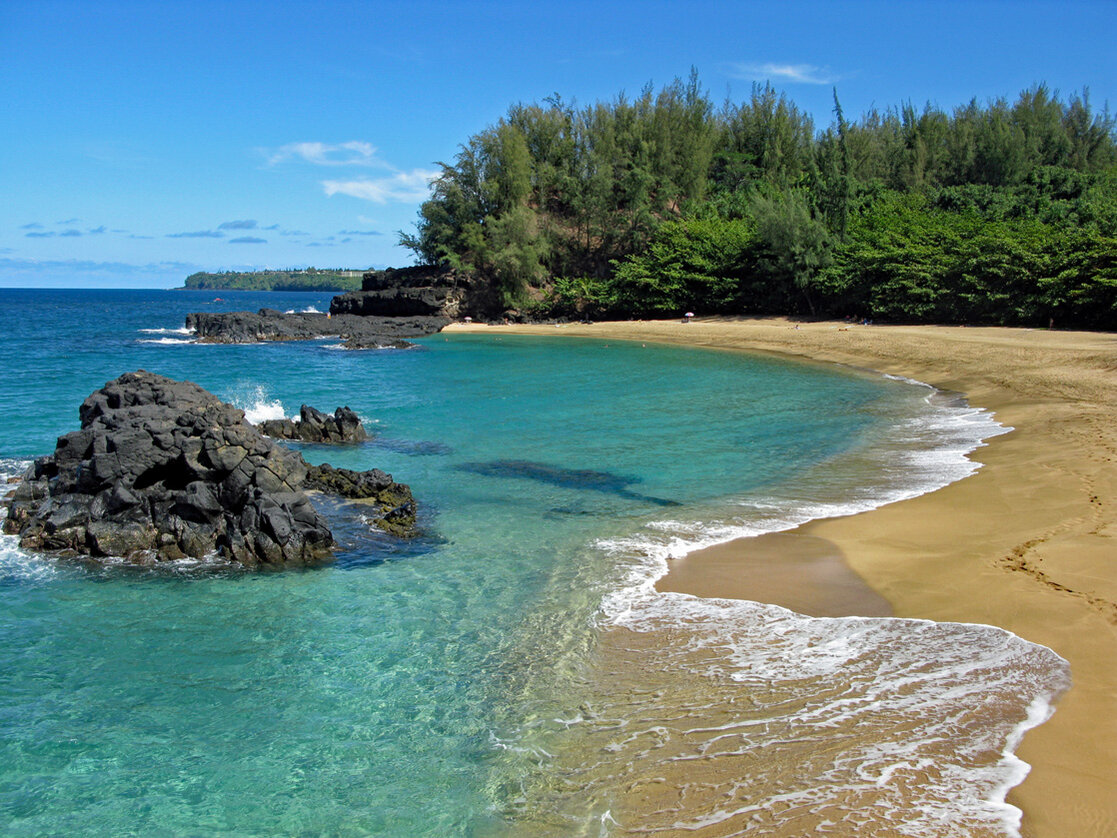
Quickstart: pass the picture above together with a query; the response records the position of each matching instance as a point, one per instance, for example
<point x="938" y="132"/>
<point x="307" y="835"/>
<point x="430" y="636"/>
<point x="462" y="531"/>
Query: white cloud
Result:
<point x="90" y="266"/>
<point x="197" y="234"/>
<point x="406" y="187"/>
<point x="397" y="186"/>
<point x="353" y="153"/>
<point x="794" y="73"/>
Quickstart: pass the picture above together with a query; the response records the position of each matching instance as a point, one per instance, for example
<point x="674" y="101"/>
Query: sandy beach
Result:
<point x="1029" y="543"/>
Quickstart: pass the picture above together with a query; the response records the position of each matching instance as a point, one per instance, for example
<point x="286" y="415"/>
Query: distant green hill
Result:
<point x="308" y="279"/>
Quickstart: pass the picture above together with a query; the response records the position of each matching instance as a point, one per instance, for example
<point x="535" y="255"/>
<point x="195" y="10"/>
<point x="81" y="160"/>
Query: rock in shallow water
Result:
<point x="164" y="470"/>
<point x="269" y="325"/>
<point x="315" y="426"/>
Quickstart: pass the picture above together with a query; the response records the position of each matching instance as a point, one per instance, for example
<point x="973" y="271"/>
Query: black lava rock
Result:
<point x="163" y="470"/>
<point x="315" y="426"/>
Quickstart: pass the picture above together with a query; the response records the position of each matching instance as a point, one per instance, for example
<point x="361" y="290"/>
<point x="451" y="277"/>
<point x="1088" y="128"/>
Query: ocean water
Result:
<point x="470" y="682"/>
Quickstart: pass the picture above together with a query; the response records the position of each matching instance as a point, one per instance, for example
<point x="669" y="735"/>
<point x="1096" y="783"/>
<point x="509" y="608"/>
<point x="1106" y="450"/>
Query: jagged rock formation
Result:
<point x="315" y="426"/>
<point x="418" y="291"/>
<point x="269" y="325"/>
<point x="163" y="470"/>
<point x="394" y="501"/>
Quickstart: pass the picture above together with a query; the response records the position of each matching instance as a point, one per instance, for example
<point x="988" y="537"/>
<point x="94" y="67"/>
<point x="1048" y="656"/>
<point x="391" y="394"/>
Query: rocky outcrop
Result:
<point x="394" y="305"/>
<point x="393" y="502"/>
<point x="418" y="291"/>
<point x="315" y="426"/>
<point x="357" y="332"/>
<point x="163" y="470"/>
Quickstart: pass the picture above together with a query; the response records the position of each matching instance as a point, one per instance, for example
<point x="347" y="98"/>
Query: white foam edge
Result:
<point x="15" y="562"/>
<point x="342" y="347"/>
<point x="1040" y="710"/>
<point x="185" y="330"/>
<point x="939" y="466"/>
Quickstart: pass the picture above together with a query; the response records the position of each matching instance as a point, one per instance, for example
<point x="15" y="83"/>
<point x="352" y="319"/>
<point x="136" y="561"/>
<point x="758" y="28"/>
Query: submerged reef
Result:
<point x="163" y="470"/>
<point x="567" y="478"/>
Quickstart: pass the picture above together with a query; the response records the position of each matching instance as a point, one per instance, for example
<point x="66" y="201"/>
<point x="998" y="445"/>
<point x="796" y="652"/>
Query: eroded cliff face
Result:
<point x="421" y="291"/>
<point x="162" y="470"/>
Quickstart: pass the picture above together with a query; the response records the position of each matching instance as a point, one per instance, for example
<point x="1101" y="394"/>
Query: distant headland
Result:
<point x="302" y="279"/>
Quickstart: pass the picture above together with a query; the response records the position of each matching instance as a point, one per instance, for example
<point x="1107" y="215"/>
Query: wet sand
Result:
<point x="1029" y="543"/>
<point x="802" y="572"/>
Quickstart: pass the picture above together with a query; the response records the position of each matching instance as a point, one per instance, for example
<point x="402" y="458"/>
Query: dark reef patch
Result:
<point x="567" y="478"/>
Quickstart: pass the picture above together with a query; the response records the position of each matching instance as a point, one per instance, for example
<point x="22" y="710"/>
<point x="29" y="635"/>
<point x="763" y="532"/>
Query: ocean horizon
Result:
<point x="452" y="684"/>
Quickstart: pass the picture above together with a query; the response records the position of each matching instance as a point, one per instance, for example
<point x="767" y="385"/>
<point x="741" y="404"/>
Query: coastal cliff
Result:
<point x="423" y="291"/>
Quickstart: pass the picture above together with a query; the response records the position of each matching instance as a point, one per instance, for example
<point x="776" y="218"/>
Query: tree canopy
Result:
<point x="1002" y="212"/>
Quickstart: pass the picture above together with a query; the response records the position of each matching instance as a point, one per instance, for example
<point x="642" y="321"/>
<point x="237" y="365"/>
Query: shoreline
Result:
<point x="1026" y="543"/>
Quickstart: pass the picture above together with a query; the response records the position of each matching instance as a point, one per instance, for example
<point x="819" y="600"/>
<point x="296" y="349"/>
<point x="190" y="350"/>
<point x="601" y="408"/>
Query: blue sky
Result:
<point x="142" y="141"/>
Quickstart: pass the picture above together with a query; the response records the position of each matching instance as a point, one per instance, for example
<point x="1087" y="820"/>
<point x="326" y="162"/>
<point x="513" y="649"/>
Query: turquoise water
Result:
<point x="380" y="695"/>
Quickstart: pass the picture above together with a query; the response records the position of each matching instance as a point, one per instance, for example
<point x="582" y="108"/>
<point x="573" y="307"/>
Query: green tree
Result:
<point x="702" y="264"/>
<point x="795" y="245"/>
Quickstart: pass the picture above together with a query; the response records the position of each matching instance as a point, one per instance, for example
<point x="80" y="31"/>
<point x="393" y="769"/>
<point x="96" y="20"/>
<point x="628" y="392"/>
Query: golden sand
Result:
<point x="1029" y="543"/>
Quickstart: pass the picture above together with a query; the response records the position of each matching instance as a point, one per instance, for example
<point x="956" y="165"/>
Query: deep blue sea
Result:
<point x="428" y="687"/>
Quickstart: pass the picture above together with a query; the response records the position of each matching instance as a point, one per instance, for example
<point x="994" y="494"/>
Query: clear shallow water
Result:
<point x="411" y="689"/>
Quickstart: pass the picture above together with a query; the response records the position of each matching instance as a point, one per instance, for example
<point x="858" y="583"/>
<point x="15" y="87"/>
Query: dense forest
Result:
<point x="304" y="279"/>
<point x="999" y="212"/>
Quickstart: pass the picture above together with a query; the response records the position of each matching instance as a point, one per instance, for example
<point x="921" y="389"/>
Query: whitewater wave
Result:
<point x="258" y="404"/>
<point x="868" y="725"/>
<point x="17" y="564"/>
<point x="183" y="331"/>
<point x="168" y="341"/>
<point x="377" y="347"/>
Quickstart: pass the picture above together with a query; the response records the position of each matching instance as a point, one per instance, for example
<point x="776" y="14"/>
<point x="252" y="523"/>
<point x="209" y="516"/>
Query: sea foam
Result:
<point x="257" y="404"/>
<point x="168" y="337"/>
<point x="168" y="341"/>
<point x="182" y="331"/>
<point x="17" y="564"/>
